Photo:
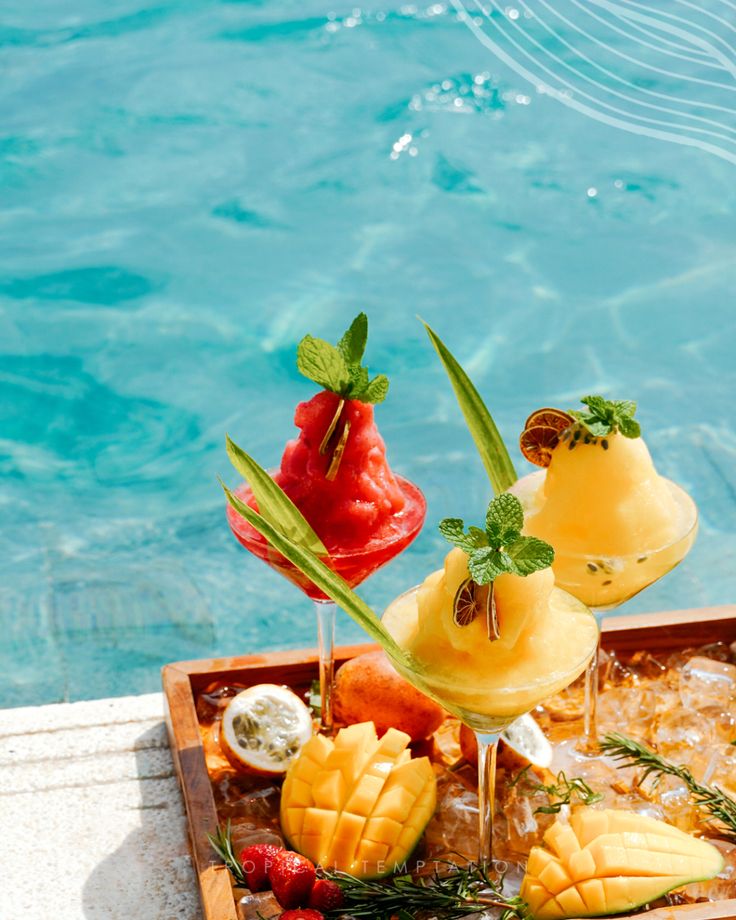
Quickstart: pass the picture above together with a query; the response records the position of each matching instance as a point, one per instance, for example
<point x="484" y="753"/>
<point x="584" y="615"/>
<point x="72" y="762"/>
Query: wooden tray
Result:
<point x="184" y="680"/>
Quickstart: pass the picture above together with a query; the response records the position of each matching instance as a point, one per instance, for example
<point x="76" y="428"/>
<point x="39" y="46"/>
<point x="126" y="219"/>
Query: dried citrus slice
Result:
<point x="541" y="434"/>
<point x="264" y="728"/>
<point x="471" y="600"/>
<point x="552" y="418"/>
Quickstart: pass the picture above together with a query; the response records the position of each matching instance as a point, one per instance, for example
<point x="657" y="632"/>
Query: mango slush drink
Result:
<point x="616" y="525"/>
<point x="546" y="640"/>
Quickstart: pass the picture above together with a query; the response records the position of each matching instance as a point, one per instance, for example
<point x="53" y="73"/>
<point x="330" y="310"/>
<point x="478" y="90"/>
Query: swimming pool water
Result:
<point x="188" y="187"/>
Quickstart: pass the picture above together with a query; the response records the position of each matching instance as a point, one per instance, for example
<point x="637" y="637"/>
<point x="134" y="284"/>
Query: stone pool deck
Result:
<point x="93" y="823"/>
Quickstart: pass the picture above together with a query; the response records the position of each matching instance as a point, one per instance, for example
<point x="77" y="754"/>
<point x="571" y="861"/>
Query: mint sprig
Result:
<point x="339" y="368"/>
<point x="606" y="416"/>
<point x="499" y="548"/>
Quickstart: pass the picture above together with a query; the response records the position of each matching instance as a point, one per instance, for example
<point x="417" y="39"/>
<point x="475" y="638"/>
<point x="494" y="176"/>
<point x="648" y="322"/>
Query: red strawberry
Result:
<point x="301" y="913"/>
<point x="256" y="860"/>
<point x="326" y="895"/>
<point x="291" y="877"/>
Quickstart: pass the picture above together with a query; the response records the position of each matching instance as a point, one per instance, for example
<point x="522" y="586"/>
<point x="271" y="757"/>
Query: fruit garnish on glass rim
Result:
<point x="541" y="434"/>
<point x="497" y="549"/>
<point x="339" y="370"/>
<point x="545" y="428"/>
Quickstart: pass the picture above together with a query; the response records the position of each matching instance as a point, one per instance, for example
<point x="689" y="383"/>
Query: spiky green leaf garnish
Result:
<point x="500" y="548"/>
<point x="339" y="369"/>
<point x="606" y="416"/>
<point x="309" y="564"/>
<point x="273" y="503"/>
<point x="480" y="423"/>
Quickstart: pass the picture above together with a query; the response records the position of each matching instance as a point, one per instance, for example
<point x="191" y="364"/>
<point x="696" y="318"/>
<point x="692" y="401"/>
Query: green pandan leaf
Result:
<point x="273" y="503"/>
<point x="480" y="423"/>
<point x="319" y="574"/>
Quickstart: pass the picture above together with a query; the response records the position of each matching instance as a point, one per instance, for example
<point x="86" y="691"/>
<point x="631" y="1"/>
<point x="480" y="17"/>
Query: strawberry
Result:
<point x="326" y="895"/>
<point x="256" y="860"/>
<point x="302" y="913"/>
<point x="291" y="877"/>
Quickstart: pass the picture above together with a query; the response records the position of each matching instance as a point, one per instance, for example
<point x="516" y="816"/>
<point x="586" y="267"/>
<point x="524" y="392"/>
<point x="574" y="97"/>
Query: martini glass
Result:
<point x="488" y="708"/>
<point x="604" y="582"/>
<point x="354" y="565"/>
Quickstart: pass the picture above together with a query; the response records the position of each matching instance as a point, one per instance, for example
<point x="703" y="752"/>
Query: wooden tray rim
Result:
<point x="188" y="753"/>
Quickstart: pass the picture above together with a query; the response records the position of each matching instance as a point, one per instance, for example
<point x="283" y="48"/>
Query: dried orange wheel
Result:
<point x="541" y="434"/>
<point x="471" y="600"/>
<point x="552" y="418"/>
<point x="464" y="610"/>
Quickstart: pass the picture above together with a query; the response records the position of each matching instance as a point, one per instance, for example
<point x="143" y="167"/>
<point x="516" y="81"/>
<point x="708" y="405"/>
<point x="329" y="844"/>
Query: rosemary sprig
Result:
<point x="460" y="891"/>
<point x="222" y="843"/>
<point x="562" y="792"/>
<point x="456" y="893"/>
<point x="719" y="806"/>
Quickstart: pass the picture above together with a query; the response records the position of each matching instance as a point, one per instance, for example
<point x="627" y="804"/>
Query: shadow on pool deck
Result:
<point x="150" y="875"/>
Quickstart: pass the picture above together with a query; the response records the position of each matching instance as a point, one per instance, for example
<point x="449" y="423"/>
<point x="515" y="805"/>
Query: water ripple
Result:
<point x="105" y="285"/>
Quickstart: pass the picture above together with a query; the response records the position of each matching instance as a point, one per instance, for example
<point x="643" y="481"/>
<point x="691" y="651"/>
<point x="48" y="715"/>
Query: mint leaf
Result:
<point x="606" y="416"/>
<point x="625" y="407"/>
<point x="629" y="428"/>
<point x="322" y="363"/>
<point x="487" y="563"/>
<point x="499" y="549"/>
<point x="358" y="380"/>
<point x="505" y="513"/>
<point x="453" y="530"/>
<point x="352" y="344"/>
<point x="530" y="555"/>
<point x="338" y="369"/>
<point x="376" y="391"/>
<point x="596" y="404"/>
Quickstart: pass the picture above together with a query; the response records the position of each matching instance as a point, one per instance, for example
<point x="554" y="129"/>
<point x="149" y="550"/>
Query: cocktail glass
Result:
<point x="353" y="565"/>
<point x="604" y="582"/>
<point x="488" y="711"/>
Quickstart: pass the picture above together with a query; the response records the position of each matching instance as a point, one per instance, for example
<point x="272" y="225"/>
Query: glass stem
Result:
<point x="590" y="714"/>
<point x="326" y="638"/>
<point x="487" y="746"/>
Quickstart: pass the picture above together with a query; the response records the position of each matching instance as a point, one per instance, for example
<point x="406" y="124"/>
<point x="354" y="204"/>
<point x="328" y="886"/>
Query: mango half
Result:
<point x="607" y="862"/>
<point x="358" y="804"/>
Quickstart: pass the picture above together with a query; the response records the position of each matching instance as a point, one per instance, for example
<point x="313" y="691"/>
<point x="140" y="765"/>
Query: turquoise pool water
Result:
<point x="190" y="186"/>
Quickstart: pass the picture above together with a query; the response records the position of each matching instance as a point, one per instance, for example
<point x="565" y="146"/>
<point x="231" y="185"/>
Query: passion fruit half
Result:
<point x="264" y="728"/>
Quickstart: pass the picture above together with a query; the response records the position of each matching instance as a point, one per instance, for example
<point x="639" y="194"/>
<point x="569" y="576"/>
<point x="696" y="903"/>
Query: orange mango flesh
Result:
<point x="606" y="862"/>
<point x="357" y="804"/>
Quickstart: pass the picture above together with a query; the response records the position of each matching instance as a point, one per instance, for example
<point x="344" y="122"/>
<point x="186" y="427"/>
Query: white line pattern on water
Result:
<point x="513" y="34"/>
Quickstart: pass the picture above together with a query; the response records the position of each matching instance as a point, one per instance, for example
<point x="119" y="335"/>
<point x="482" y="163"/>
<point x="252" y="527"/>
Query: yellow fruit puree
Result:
<point x="547" y="638"/>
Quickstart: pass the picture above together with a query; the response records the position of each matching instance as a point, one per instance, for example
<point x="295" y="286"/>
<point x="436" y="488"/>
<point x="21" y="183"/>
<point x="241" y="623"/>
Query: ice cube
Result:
<point x="679" y="733"/>
<point x="629" y="710"/>
<point x="707" y="682"/>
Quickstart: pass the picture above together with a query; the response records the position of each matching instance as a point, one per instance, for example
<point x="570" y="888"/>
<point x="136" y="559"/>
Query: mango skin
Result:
<point x="606" y="862"/>
<point x="368" y="688"/>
